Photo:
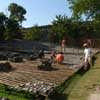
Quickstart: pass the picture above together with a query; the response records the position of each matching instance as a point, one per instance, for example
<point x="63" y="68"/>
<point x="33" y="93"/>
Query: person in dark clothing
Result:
<point x="53" y="56"/>
<point x="41" y="54"/>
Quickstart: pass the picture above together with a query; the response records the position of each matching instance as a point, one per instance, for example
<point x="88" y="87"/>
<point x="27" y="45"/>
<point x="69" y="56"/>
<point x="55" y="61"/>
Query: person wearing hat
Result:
<point x="87" y="54"/>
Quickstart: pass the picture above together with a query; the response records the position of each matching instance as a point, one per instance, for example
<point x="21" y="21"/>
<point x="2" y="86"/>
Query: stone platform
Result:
<point x="25" y="75"/>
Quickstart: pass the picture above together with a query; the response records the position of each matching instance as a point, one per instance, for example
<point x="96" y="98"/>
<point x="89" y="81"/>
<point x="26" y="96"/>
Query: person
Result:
<point x="41" y="54"/>
<point x="53" y="56"/>
<point x="87" y="54"/>
<point x="63" y="45"/>
<point x="59" y="57"/>
<point x="89" y="42"/>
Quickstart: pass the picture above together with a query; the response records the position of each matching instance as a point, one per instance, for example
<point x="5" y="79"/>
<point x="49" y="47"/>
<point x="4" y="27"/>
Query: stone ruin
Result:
<point x="37" y="87"/>
<point x="3" y="56"/>
<point x="19" y="56"/>
<point x="46" y="64"/>
<point x="5" y="67"/>
<point x="15" y="57"/>
<point x="32" y="57"/>
<point x="11" y="56"/>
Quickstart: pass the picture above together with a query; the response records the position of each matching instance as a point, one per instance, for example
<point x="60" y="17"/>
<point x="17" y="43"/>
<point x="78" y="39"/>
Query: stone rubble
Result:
<point x="37" y="87"/>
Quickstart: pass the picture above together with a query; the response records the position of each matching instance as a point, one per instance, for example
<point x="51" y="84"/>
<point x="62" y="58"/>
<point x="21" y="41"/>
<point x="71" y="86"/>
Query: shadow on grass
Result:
<point x="58" y="96"/>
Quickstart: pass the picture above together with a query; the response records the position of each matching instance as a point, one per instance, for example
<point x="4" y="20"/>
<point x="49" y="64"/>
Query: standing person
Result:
<point x="87" y="55"/>
<point x="41" y="54"/>
<point x="90" y="42"/>
<point x="63" y="45"/>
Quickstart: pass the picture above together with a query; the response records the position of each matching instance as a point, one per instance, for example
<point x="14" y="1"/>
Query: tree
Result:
<point x="17" y="12"/>
<point x="69" y="28"/>
<point x="3" y="19"/>
<point x="12" y="28"/>
<point x="59" y="27"/>
<point x="89" y="8"/>
<point x="33" y="34"/>
<point x="66" y="27"/>
<point x="9" y="26"/>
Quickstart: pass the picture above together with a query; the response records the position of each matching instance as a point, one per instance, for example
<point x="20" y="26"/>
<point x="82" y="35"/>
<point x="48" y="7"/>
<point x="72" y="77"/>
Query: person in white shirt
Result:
<point x="87" y="54"/>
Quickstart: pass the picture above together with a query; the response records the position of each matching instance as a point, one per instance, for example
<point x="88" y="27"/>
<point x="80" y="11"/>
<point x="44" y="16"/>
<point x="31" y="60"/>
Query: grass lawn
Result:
<point x="82" y="85"/>
<point x="12" y="94"/>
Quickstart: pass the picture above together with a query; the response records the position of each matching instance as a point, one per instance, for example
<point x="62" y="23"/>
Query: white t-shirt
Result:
<point x="87" y="52"/>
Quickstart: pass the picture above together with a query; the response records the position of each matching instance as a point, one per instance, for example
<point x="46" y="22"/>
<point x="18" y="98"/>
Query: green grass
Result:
<point x="81" y="85"/>
<point x="14" y="94"/>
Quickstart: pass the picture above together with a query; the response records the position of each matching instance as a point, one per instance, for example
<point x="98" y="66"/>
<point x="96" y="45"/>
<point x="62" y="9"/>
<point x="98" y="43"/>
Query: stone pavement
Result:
<point x="72" y="56"/>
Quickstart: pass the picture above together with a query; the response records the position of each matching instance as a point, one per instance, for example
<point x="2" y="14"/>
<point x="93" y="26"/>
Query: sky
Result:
<point x="39" y="12"/>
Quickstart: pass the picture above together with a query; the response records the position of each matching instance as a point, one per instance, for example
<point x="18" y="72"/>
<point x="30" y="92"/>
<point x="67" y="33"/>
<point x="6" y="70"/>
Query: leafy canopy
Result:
<point x="89" y="8"/>
<point x="17" y="12"/>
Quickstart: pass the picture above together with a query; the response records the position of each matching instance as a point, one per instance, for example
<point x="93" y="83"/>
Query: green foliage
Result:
<point x="3" y="19"/>
<point x="66" y="27"/>
<point x="89" y="8"/>
<point x="59" y="26"/>
<point x="17" y="12"/>
<point x="75" y="27"/>
<point x="15" y="94"/>
<point x="12" y="28"/>
<point x="96" y="27"/>
<point x="33" y="34"/>
<point x="9" y="26"/>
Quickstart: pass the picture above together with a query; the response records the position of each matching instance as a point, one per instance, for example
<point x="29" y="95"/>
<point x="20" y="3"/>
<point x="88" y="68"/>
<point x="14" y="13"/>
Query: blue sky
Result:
<point x="39" y="12"/>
